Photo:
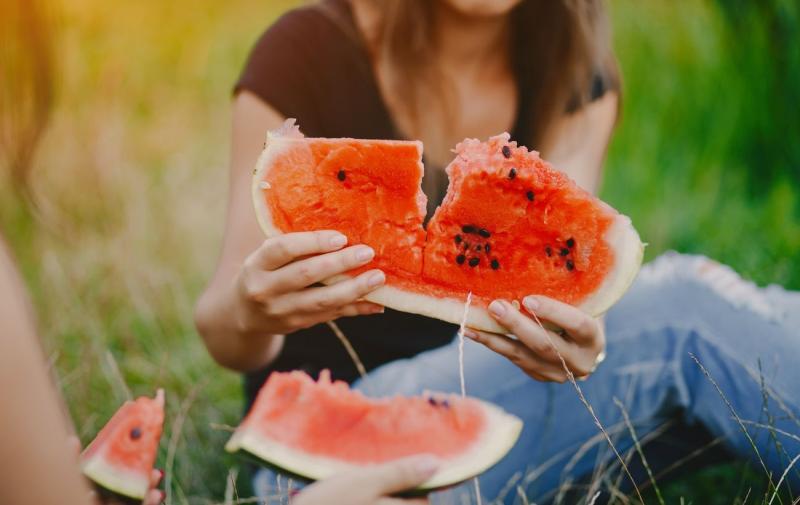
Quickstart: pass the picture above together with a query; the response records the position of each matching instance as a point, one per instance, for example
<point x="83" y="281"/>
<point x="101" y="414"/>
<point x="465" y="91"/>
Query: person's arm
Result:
<point x="34" y="432"/>
<point x="577" y="142"/>
<point x="264" y="289"/>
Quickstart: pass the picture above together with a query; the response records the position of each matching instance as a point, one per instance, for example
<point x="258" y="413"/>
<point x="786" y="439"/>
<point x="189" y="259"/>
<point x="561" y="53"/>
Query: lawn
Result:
<point x="128" y="195"/>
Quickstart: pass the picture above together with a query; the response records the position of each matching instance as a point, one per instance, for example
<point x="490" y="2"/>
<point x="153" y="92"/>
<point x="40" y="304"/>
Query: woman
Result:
<point x="441" y="71"/>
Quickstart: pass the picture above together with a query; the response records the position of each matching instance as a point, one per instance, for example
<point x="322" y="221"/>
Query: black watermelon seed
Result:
<point x="468" y="228"/>
<point x="487" y="248"/>
<point x="530" y="195"/>
<point x="483" y="232"/>
<point x="570" y="243"/>
<point x="495" y="264"/>
<point x="473" y="262"/>
<point x="570" y="265"/>
<point x="460" y="259"/>
<point x="564" y="251"/>
<point x="512" y="173"/>
<point x="432" y="401"/>
<point x="466" y="245"/>
<point x="341" y="175"/>
<point x="136" y="433"/>
<point x="478" y="247"/>
<point x="458" y="239"/>
<point x="548" y="251"/>
<point x="445" y="404"/>
<point x="506" y="151"/>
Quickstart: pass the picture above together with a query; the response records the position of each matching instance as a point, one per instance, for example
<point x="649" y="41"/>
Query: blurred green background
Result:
<point x="128" y="191"/>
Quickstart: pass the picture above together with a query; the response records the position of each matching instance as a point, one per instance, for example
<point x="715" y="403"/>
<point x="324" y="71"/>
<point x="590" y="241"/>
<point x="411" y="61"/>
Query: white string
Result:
<point x="461" y="344"/>
<point x="461" y="374"/>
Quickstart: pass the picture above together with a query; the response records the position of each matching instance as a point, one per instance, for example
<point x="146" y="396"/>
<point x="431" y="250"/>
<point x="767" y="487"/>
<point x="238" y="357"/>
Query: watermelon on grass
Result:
<point x="316" y="429"/>
<point x="121" y="457"/>
<point x="510" y="225"/>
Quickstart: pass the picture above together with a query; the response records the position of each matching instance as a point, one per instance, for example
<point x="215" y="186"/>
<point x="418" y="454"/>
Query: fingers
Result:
<point x="580" y="326"/>
<point x="333" y="297"/>
<point x="154" y="497"/>
<point x="402" y="501"/>
<point x="314" y="305"/>
<point x="537" y="339"/>
<point x="304" y="273"/>
<point x="520" y="355"/>
<point x="579" y="357"/>
<point x="400" y="475"/>
<point x="155" y="477"/>
<point x="278" y="251"/>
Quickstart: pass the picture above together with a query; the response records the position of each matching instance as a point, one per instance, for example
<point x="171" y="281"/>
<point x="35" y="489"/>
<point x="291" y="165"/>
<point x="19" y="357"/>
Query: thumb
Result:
<point x="403" y="474"/>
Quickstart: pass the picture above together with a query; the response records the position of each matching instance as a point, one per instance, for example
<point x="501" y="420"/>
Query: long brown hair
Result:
<point x="26" y="94"/>
<point x="558" y="48"/>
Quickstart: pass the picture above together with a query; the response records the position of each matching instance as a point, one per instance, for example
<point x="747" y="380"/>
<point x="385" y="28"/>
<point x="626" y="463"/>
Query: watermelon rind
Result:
<point x="119" y="480"/>
<point x="98" y="464"/>
<point x="621" y="236"/>
<point x="498" y="437"/>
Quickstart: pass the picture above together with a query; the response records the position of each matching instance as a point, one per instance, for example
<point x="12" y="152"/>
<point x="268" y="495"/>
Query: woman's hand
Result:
<point x="373" y="485"/>
<point x="536" y="351"/>
<point x="275" y="286"/>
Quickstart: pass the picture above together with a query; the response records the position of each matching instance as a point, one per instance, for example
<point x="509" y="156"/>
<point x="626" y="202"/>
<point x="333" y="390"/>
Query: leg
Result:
<point x="679" y="305"/>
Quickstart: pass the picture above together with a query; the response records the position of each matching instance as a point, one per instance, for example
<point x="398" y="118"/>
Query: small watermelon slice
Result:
<point x="314" y="429"/>
<point x="510" y="225"/>
<point x="122" y="456"/>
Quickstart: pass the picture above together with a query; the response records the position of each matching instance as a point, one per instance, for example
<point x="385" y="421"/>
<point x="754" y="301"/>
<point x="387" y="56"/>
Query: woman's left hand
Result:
<point x="536" y="350"/>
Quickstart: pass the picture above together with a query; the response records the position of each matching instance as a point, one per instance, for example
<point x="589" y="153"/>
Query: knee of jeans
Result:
<point x="688" y="277"/>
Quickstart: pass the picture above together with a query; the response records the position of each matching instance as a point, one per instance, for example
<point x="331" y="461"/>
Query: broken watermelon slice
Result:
<point x="316" y="429"/>
<point x="122" y="456"/>
<point x="510" y="225"/>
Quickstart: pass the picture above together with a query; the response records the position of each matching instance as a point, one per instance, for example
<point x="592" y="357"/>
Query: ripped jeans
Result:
<point x="690" y="344"/>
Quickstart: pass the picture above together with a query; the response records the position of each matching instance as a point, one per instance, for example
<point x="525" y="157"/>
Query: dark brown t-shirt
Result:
<point x="312" y="65"/>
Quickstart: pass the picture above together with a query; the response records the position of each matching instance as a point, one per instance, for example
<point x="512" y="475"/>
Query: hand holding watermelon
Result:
<point x="538" y="350"/>
<point x="372" y="485"/>
<point x="276" y="284"/>
<point x="509" y="226"/>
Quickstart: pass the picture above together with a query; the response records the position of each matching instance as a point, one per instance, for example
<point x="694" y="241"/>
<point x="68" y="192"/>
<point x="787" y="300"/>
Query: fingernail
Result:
<point x="365" y="254"/>
<point x="530" y="303"/>
<point x="427" y="466"/>
<point x="378" y="310"/>
<point x="160" y="474"/>
<point x="338" y="240"/>
<point x="376" y="279"/>
<point x="163" y="495"/>
<point x="497" y="308"/>
<point x="470" y="333"/>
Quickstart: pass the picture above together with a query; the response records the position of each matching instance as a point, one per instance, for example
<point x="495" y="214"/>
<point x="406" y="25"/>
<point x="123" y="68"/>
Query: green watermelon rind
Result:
<point x="498" y="437"/>
<point x="621" y="236"/>
<point x="98" y="465"/>
<point x="118" y="480"/>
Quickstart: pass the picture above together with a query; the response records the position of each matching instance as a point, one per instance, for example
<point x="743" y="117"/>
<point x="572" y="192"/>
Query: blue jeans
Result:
<point x="682" y="312"/>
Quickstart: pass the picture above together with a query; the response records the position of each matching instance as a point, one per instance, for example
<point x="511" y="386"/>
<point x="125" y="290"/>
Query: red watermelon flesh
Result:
<point x="510" y="225"/>
<point x="122" y="456"/>
<point x="315" y="429"/>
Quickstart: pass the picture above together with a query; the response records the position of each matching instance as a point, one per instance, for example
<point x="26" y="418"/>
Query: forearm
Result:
<point x="228" y="339"/>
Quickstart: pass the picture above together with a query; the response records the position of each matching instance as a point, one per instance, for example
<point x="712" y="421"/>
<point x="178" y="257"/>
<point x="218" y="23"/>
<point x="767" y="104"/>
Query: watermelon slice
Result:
<point x="510" y="225"/>
<point x="121" y="457"/>
<point x="316" y="429"/>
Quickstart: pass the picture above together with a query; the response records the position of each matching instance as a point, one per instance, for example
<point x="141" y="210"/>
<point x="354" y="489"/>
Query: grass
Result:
<point x="129" y="206"/>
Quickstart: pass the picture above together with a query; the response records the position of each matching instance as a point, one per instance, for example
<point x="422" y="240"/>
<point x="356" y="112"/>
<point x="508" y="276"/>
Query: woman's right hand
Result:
<point x="276" y="285"/>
